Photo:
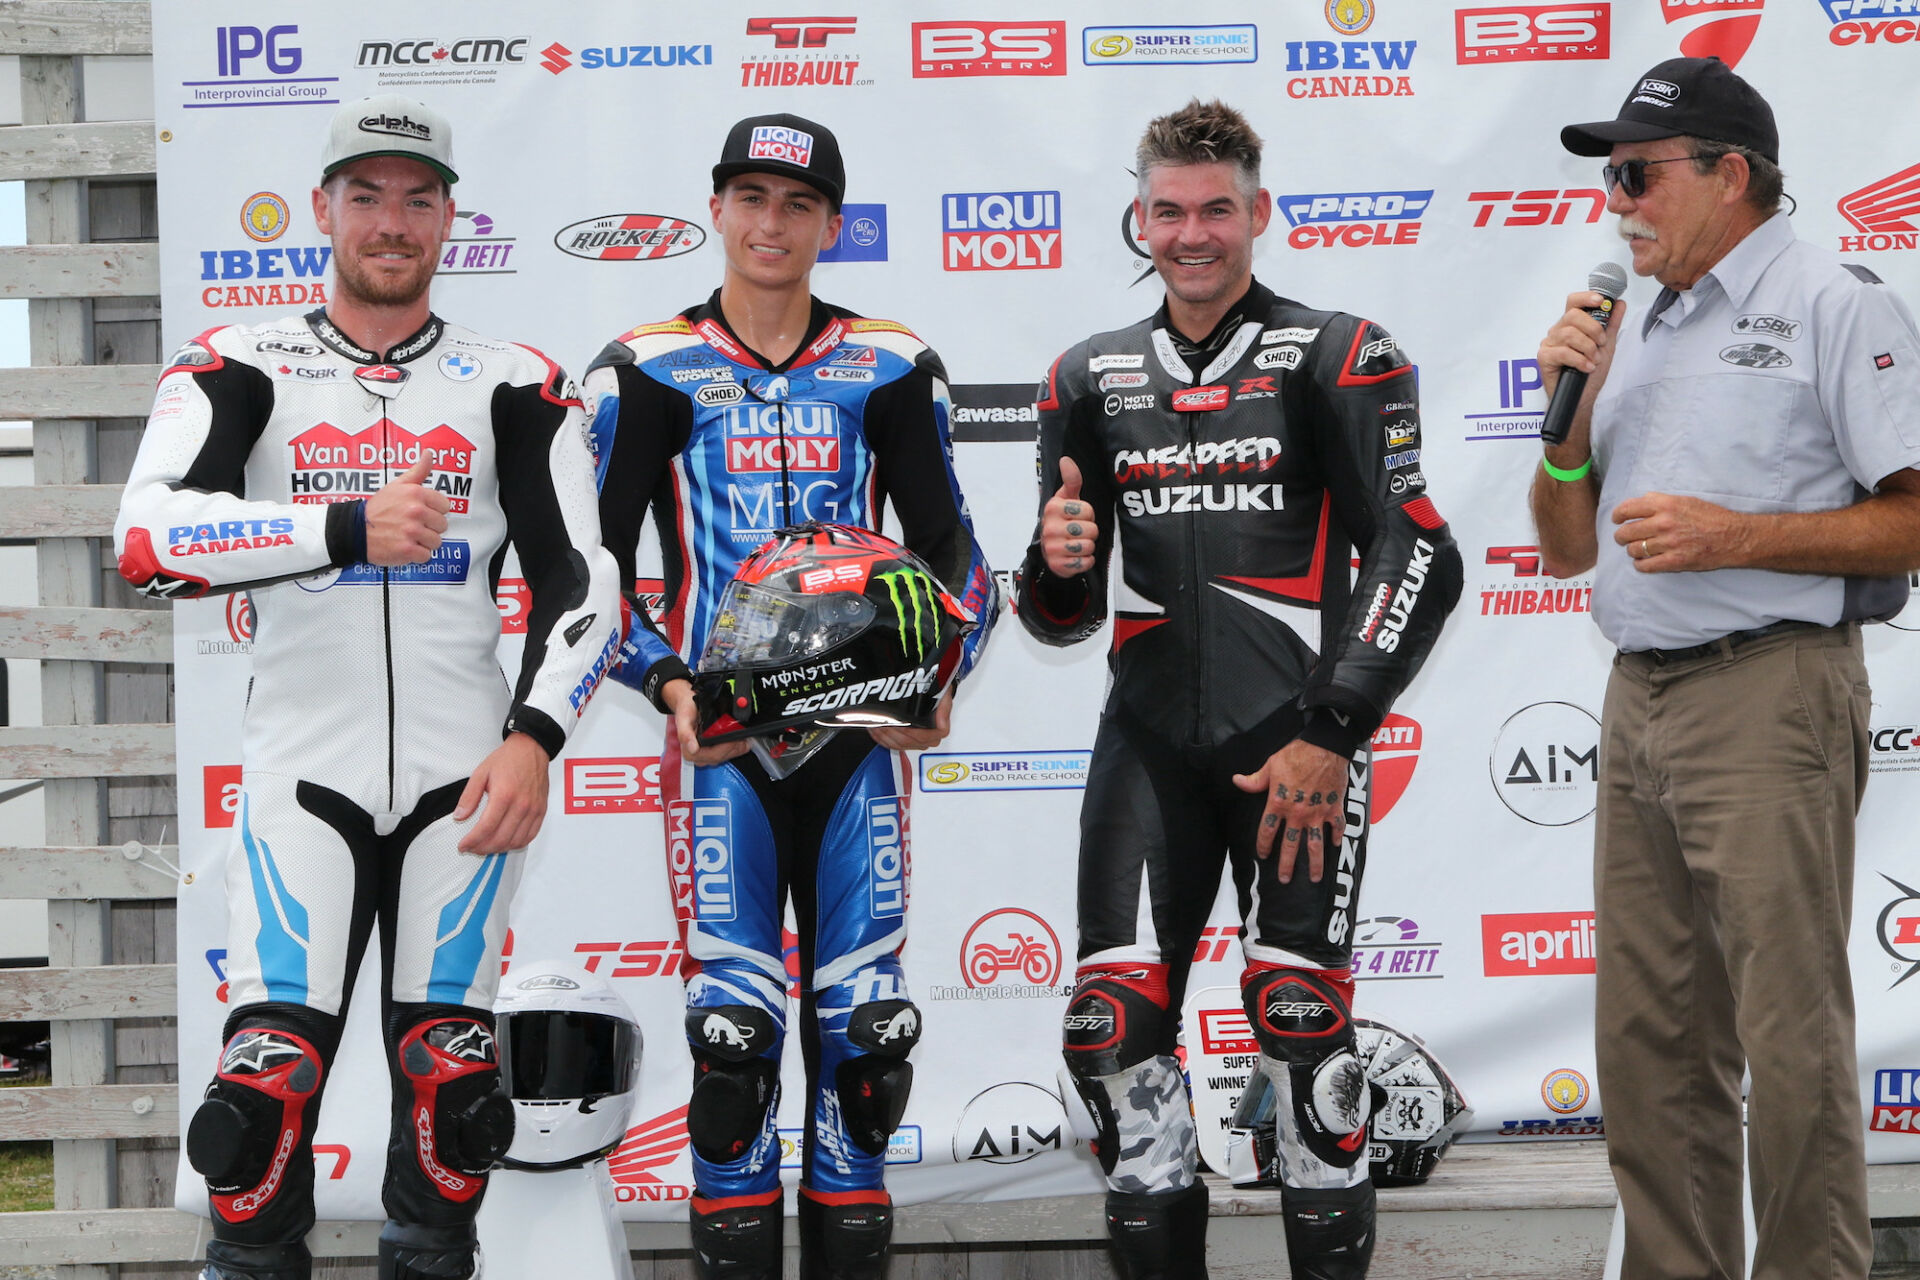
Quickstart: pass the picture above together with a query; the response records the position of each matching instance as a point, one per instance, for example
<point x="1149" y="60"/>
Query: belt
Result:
<point x="1727" y="643"/>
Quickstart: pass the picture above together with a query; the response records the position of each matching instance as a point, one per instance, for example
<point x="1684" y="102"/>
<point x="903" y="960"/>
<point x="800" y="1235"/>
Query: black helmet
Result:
<point x="828" y="625"/>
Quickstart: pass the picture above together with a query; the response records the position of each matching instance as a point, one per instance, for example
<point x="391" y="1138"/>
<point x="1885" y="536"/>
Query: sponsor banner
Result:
<point x="1355" y="219"/>
<point x="863" y="235"/>
<point x="1003" y="771"/>
<point x="944" y="50"/>
<point x="1537" y="944"/>
<point x="247" y="65"/>
<point x="1001" y="230"/>
<point x="1533" y="33"/>
<point x="993" y="411"/>
<point x="1169" y="46"/>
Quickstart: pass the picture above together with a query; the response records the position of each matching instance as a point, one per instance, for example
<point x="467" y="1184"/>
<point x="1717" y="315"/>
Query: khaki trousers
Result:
<point x="1723" y="883"/>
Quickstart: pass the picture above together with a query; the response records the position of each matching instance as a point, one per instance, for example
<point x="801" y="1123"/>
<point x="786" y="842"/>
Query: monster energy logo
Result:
<point x="920" y="609"/>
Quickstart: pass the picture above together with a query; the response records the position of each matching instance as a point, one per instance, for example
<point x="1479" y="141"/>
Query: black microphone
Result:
<point x="1609" y="280"/>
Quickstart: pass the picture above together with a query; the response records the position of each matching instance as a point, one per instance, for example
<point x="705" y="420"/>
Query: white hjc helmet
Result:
<point x="569" y="1053"/>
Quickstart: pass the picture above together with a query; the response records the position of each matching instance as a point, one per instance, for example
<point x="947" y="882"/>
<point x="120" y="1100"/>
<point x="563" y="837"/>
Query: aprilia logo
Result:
<point x="1537" y="943"/>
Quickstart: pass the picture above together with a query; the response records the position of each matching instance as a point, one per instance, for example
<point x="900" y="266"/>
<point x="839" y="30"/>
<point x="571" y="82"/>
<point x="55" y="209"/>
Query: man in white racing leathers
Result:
<point x="1241" y="446"/>
<point x="358" y="471"/>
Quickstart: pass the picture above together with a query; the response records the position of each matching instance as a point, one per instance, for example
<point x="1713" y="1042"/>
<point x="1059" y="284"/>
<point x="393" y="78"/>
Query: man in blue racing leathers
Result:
<point x="760" y="408"/>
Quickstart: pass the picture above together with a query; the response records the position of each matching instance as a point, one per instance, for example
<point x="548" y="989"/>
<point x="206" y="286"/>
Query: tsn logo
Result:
<point x="646" y="959"/>
<point x="1548" y="207"/>
<point x="1532" y="33"/>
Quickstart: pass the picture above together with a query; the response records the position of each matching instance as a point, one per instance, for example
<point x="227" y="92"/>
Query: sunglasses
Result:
<point x="1631" y="175"/>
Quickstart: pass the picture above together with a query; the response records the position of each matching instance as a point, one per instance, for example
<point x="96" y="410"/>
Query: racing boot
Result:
<point x="1161" y="1236"/>
<point x="1329" y="1233"/>
<point x="845" y="1241"/>
<point x="736" y="1241"/>
<point x="229" y="1261"/>
<point x="412" y="1252"/>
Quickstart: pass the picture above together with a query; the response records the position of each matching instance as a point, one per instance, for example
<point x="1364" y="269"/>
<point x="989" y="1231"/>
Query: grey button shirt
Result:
<point x="1780" y="382"/>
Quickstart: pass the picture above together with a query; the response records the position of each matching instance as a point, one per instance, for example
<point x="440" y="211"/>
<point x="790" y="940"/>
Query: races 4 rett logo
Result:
<point x="1001" y="230"/>
<point x="1355" y="219"/>
<point x="1533" y="33"/>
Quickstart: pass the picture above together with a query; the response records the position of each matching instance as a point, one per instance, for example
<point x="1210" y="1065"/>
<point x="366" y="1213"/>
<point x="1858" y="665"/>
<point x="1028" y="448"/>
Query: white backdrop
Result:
<point x="1457" y="222"/>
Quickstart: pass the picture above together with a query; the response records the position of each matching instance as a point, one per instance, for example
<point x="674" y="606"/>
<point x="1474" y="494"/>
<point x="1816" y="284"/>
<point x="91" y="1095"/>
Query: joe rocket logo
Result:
<point x="1884" y="213"/>
<point x="1899" y="930"/>
<point x="1720" y="29"/>
<point x="1001" y="230"/>
<point x="638" y="1163"/>
<point x="1004" y="770"/>
<point x="259" y="67"/>
<point x="1011" y="1124"/>
<point x="1353" y="218"/>
<point x="1872" y="21"/>
<point x="629" y="237"/>
<point x="1169" y="46"/>
<point x="331" y="465"/>
<point x="1545" y="763"/>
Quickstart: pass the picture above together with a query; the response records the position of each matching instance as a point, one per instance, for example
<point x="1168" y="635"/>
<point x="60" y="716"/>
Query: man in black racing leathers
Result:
<point x="358" y="472"/>
<point x="1243" y="444"/>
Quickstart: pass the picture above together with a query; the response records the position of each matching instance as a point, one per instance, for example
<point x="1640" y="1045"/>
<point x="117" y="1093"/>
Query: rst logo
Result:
<point x="1883" y="211"/>
<point x="1001" y="230"/>
<point x="889" y="856"/>
<point x="221" y="784"/>
<point x="1537" y="943"/>
<point x="613" y="784"/>
<point x="945" y="49"/>
<point x="1547" y="207"/>
<point x="1533" y="33"/>
<point x="782" y="437"/>
<point x="1872" y="21"/>
<point x="1353" y="218"/>
<point x="700" y="858"/>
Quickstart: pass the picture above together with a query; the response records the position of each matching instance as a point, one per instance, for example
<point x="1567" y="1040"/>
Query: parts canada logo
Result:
<point x="1527" y="590"/>
<point x="1354" y="219"/>
<point x="1009" y="954"/>
<point x="259" y="67"/>
<point x="1356" y="68"/>
<point x="1001" y="230"/>
<point x="644" y="1154"/>
<point x="943" y="50"/>
<point x="1872" y="21"/>
<point x="1004" y="770"/>
<point x="1011" y="1124"/>
<point x="1537" y="944"/>
<point x="1169" y="46"/>
<point x="1720" y="29"/>
<point x="786" y="52"/>
<point x="1545" y="763"/>
<point x="629" y="237"/>
<point x="1533" y="33"/>
<point x="1885" y="213"/>
<point x="1545" y="207"/>
<point x="414" y="62"/>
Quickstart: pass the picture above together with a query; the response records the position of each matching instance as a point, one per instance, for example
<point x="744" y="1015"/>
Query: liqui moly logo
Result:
<point x="1001" y="230"/>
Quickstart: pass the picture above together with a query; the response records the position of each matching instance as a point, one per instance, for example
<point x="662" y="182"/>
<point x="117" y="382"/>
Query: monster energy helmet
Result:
<point x="831" y="626"/>
<point x="1417" y="1113"/>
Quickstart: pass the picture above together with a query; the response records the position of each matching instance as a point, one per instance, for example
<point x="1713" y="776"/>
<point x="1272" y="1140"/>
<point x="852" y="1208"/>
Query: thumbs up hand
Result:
<point x="406" y="518"/>
<point x="1067" y="530"/>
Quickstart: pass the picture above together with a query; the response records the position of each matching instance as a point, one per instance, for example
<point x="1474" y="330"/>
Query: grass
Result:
<point x="26" y="1170"/>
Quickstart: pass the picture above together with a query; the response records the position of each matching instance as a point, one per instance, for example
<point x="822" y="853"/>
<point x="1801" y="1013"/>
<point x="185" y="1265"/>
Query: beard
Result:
<point x="377" y="288"/>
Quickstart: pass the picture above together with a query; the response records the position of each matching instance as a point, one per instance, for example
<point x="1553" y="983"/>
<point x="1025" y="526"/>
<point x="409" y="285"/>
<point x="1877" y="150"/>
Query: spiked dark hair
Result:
<point x="1202" y="133"/>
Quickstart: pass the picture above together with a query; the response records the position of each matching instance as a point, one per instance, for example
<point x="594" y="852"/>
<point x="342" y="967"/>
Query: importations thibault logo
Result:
<point x="1169" y="46"/>
<point x="1004" y="770"/>
<point x="1009" y="954"/>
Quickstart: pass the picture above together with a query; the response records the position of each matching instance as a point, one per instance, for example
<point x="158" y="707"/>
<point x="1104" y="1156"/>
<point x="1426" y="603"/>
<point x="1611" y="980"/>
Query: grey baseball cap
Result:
<point x="388" y="125"/>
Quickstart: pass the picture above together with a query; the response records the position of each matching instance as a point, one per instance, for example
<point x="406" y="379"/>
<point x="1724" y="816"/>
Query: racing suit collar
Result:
<point x="1257" y="300"/>
<point x="818" y="319"/>
<point x="418" y="343"/>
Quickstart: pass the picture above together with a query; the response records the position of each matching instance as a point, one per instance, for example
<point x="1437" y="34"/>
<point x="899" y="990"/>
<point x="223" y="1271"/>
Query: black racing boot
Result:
<point x="739" y="1242"/>
<point x="1329" y="1233"/>
<point x="412" y="1252"/>
<point x="844" y="1241"/>
<point x="229" y="1261"/>
<point x="1161" y="1236"/>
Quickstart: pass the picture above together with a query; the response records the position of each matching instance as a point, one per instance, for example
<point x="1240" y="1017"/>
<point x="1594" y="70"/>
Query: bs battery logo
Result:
<point x="1532" y="33"/>
<point x="943" y="50"/>
<point x="613" y="784"/>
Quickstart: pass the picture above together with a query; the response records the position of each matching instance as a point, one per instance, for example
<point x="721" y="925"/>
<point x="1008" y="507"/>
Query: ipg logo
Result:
<point x="273" y="47"/>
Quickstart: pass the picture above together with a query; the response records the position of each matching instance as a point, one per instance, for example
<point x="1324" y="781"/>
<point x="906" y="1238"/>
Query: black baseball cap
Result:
<point x="784" y="144"/>
<point x="1699" y="97"/>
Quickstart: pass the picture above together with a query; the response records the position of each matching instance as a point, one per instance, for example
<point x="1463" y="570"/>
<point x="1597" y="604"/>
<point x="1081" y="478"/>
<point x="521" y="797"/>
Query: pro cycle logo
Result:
<point x="333" y="465"/>
<point x="786" y="437"/>
<point x="1872" y="21"/>
<point x="1001" y="230"/>
<point x="1884" y="213"/>
<point x="1533" y="33"/>
<point x="613" y="784"/>
<point x="1537" y="944"/>
<point x="1353" y="218"/>
<point x="965" y="48"/>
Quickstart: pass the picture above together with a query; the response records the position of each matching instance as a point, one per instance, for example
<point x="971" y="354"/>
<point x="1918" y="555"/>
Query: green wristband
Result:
<point x="1565" y="476"/>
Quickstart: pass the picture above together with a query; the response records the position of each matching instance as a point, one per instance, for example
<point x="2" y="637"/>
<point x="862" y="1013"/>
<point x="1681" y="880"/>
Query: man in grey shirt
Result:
<point x="1740" y="479"/>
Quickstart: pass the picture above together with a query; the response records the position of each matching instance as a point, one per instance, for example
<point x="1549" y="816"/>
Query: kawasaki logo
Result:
<point x="915" y="605"/>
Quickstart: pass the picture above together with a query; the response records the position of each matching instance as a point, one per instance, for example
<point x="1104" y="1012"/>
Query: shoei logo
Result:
<point x="1720" y="29"/>
<point x="1533" y="33"/>
<point x="888" y="857"/>
<point x="1545" y="763"/>
<point x="1896" y="1100"/>
<point x="1011" y="1124"/>
<point x="649" y="1148"/>
<point x="221" y="783"/>
<point x="1012" y="941"/>
<point x="613" y="784"/>
<point x="1535" y="944"/>
<point x="1565" y="1091"/>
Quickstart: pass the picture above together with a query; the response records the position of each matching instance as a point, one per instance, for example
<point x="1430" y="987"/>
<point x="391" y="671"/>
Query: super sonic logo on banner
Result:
<point x="1417" y="179"/>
